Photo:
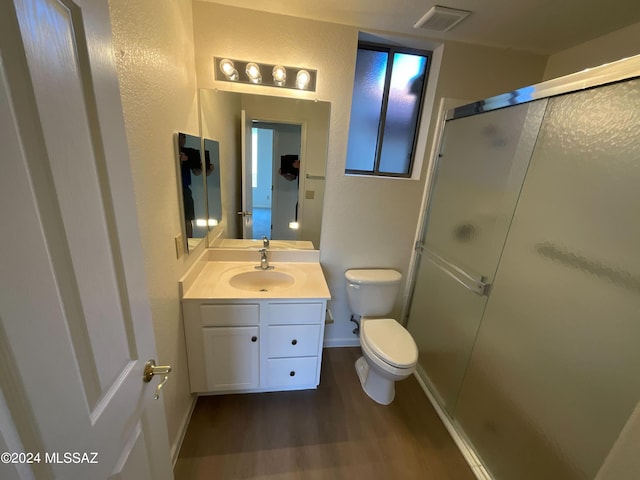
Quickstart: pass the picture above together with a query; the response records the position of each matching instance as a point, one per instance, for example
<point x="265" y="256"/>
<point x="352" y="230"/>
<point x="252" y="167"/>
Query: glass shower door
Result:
<point x="483" y="161"/>
<point x="555" y="367"/>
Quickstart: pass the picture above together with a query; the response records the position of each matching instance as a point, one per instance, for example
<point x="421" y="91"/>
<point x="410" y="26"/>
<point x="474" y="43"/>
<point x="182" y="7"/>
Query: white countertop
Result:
<point x="212" y="282"/>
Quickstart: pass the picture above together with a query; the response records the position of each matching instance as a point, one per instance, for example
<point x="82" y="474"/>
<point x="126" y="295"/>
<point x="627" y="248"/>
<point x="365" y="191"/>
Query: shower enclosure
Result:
<point x="526" y="304"/>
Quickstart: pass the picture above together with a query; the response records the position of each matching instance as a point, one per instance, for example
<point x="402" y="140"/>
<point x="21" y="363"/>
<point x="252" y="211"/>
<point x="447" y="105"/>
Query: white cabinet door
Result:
<point x="232" y="357"/>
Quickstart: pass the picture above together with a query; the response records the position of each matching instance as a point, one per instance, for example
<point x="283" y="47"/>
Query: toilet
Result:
<point x="389" y="353"/>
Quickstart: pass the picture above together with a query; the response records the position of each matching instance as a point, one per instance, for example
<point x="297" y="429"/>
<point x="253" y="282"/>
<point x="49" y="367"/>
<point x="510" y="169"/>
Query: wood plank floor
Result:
<point x="334" y="432"/>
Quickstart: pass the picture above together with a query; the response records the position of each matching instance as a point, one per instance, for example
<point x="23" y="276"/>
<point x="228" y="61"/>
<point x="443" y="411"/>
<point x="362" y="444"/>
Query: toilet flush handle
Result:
<point x="354" y="285"/>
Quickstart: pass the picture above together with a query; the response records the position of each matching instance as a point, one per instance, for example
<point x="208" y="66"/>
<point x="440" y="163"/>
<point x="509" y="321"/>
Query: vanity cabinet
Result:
<point x="263" y="345"/>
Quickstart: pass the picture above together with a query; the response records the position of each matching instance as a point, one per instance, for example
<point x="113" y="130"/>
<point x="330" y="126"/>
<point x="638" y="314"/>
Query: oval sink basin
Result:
<point x="261" y="280"/>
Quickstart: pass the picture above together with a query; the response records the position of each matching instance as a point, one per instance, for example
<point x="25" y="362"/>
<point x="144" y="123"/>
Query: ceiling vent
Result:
<point x="441" y="19"/>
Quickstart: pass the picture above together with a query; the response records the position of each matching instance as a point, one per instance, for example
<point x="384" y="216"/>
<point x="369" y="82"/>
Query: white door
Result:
<point x="75" y="323"/>
<point x="247" y="175"/>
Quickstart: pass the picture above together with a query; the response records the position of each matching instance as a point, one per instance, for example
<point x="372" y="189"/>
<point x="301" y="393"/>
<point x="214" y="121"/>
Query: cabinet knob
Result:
<point x="294" y="342"/>
<point x="254" y="339"/>
<point x="292" y="373"/>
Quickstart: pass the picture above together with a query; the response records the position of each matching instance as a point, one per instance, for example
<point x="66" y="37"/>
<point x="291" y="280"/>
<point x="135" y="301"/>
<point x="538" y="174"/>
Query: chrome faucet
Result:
<point x="265" y="242"/>
<point x="264" y="262"/>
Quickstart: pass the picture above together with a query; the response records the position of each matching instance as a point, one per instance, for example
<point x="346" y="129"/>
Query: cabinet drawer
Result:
<point x="288" y="313"/>
<point x="292" y="372"/>
<point x="229" y="315"/>
<point x="293" y="340"/>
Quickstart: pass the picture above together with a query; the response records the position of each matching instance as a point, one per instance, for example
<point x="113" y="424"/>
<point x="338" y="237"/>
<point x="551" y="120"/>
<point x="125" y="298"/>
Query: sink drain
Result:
<point x="264" y="290"/>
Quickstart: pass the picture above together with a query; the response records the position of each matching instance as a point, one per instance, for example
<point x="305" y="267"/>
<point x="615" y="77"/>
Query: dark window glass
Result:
<point x="385" y="110"/>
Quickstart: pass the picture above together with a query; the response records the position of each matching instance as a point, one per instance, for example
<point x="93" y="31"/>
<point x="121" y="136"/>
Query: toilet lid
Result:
<point x="390" y="342"/>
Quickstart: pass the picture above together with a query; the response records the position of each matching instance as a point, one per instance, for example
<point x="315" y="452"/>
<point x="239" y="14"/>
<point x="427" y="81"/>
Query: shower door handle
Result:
<point x="478" y="286"/>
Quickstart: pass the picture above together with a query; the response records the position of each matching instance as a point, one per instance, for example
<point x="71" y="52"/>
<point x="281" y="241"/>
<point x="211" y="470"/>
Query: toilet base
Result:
<point x="379" y="389"/>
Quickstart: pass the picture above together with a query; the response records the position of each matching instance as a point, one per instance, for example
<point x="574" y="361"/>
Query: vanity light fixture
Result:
<point x="242" y="71"/>
<point x="202" y="222"/>
<point x="294" y="225"/>
<point x="253" y="72"/>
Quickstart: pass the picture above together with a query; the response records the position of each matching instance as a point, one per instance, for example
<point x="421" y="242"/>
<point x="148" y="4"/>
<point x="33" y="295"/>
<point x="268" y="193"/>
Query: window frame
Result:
<point x="391" y="50"/>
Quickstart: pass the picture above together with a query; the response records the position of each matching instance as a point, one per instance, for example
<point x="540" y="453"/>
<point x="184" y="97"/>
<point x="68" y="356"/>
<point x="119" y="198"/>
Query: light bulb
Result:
<point x="302" y="79"/>
<point x="279" y="75"/>
<point x="229" y="70"/>
<point x="253" y="72"/>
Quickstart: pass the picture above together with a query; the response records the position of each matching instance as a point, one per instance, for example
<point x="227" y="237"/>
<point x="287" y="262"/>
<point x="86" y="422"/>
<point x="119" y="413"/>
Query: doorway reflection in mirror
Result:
<point x="276" y="148"/>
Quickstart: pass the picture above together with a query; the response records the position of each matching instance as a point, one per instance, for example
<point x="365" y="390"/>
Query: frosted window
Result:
<point x="401" y="121"/>
<point x="368" y="90"/>
<point x="385" y="110"/>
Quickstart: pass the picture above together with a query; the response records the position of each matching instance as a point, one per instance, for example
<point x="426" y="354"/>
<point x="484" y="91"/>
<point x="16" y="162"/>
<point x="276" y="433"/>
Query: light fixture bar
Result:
<point x="279" y="76"/>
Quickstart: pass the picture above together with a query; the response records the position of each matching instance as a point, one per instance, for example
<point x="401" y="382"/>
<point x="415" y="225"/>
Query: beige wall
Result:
<point x="367" y="222"/>
<point x="476" y="73"/>
<point x="153" y="45"/>
<point x="607" y="48"/>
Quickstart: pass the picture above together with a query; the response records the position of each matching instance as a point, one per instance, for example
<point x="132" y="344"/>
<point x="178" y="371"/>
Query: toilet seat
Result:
<point x="390" y="342"/>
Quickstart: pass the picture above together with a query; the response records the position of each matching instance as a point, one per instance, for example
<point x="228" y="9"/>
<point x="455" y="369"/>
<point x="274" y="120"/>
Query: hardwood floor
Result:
<point x="334" y="432"/>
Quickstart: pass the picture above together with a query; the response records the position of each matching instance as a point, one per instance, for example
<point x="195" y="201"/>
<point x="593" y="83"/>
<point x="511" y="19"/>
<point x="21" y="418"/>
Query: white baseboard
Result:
<point x="341" y="342"/>
<point x="177" y="445"/>
<point x="468" y="453"/>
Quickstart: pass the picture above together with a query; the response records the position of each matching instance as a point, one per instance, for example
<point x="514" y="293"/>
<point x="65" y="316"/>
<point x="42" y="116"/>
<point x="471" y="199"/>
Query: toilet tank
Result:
<point x="372" y="292"/>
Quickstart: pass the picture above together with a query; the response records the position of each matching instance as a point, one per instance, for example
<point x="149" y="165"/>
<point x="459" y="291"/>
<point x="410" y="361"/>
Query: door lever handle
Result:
<point x="244" y="214"/>
<point x="151" y="369"/>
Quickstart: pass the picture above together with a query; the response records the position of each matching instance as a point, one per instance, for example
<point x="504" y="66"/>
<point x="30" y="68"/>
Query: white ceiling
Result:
<point x="538" y="26"/>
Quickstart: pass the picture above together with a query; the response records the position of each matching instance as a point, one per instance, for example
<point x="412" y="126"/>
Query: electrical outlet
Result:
<point x="179" y="245"/>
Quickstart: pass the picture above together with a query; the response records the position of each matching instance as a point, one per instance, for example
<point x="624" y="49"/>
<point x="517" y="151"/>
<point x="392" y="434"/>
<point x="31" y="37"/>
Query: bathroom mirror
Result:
<point x="199" y="186"/>
<point x="273" y="154"/>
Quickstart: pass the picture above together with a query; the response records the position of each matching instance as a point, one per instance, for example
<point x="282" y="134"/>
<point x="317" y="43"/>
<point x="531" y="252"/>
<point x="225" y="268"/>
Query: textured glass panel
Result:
<point x="483" y="162"/>
<point x="482" y="165"/>
<point x="368" y="88"/>
<point x="554" y="373"/>
<point x="444" y="322"/>
<point x="401" y="120"/>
